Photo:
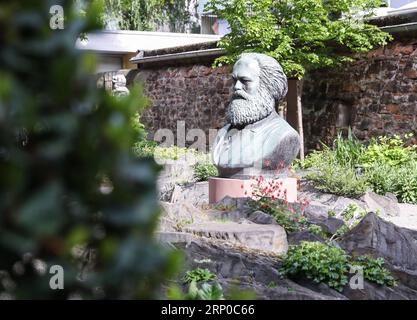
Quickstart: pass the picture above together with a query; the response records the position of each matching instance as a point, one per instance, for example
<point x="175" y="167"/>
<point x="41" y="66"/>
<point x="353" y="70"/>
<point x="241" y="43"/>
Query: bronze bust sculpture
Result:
<point x="256" y="140"/>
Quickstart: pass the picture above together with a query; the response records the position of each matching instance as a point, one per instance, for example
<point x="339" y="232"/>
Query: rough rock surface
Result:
<point x="372" y="291"/>
<point x="194" y="193"/>
<point x="321" y="202"/>
<point x="176" y="215"/>
<point x="386" y="205"/>
<point x="247" y="270"/>
<point x="296" y="237"/>
<point x="263" y="237"/>
<point x="379" y="238"/>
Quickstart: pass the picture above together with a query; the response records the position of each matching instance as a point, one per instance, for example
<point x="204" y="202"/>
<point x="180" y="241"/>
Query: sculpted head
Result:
<point x="259" y="83"/>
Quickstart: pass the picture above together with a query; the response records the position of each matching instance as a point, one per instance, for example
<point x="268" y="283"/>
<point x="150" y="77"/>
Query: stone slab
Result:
<point x="264" y="237"/>
<point x="174" y="237"/>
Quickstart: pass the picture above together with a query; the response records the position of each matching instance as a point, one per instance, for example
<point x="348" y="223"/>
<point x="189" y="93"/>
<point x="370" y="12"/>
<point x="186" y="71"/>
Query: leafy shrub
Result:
<point x="347" y="151"/>
<point x="350" y="168"/>
<point x="199" y="275"/>
<point x="317" y="230"/>
<point x="173" y="152"/>
<point x="327" y="263"/>
<point x="285" y="215"/>
<point x="205" y="170"/>
<point x="340" y="232"/>
<point x="340" y="180"/>
<point x="353" y="212"/>
<point x="145" y="148"/>
<point x="374" y="270"/>
<point x="148" y="148"/>
<point x="401" y="181"/>
<point x="390" y="151"/>
<point x="60" y="138"/>
<point x="319" y="262"/>
<point x="207" y="291"/>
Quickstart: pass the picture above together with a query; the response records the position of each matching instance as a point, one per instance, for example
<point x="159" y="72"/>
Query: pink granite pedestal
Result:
<point x="240" y="188"/>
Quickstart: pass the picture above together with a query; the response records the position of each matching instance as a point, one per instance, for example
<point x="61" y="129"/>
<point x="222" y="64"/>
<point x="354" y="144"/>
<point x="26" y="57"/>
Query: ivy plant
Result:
<point x="374" y="270"/>
<point x="319" y="262"/>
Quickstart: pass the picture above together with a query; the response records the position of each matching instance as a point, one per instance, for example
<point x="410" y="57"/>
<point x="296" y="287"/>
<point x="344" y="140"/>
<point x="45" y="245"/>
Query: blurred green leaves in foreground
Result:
<point x="71" y="192"/>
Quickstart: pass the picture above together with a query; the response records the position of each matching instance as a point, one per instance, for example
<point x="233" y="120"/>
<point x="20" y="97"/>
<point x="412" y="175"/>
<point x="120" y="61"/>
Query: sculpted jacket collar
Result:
<point x="234" y="148"/>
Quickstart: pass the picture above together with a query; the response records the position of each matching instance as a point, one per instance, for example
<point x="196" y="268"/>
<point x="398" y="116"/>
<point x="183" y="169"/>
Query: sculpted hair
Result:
<point x="273" y="80"/>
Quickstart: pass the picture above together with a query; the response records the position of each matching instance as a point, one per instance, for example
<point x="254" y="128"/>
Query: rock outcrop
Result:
<point x="376" y="237"/>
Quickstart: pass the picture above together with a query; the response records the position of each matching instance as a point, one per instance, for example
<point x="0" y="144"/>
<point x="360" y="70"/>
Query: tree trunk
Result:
<point x="300" y="117"/>
<point x="295" y="110"/>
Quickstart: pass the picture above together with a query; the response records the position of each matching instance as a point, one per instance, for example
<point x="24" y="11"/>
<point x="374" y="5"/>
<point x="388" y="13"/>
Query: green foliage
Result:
<point x="300" y="34"/>
<point x="342" y="231"/>
<point x="144" y="148"/>
<point x="205" y="170"/>
<point x="374" y="270"/>
<point x="145" y="15"/>
<point x="198" y="275"/>
<point x="349" y="168"/>
<point x="325" y="262"/>
<point x="349" y="212"/>
<point x="317" y="230"/>
<point x="391" y="151"/>
<point x="353" y="214"/>
<point x="172" y="153"/>
<point x="207" y="291"/>
<point x="347" y="151"/>
<point x="331" y="213"/>
<point x="286" y="216"/>
<point x="61" y="140"/>
<point x="391" y="166"/>
<point x="149" y="148"/>
<point x="196" y="291"/>
<point x="401" y="181"/>
<point x="319" y="262"/>
<point x="340" y="180"/>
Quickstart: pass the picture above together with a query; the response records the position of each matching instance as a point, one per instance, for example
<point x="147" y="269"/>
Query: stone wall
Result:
<point x="375" y="95"/>
<point x="195" y="94"/>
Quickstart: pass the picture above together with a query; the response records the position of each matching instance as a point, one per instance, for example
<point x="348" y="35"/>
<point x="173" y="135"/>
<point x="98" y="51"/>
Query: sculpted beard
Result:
<point x="245" y="109"/>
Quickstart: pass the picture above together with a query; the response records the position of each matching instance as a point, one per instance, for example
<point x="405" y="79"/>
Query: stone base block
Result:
<point x="241" y="188"/>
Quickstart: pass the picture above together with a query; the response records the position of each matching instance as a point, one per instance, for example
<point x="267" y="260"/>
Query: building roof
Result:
<point x="118" y="41"/>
